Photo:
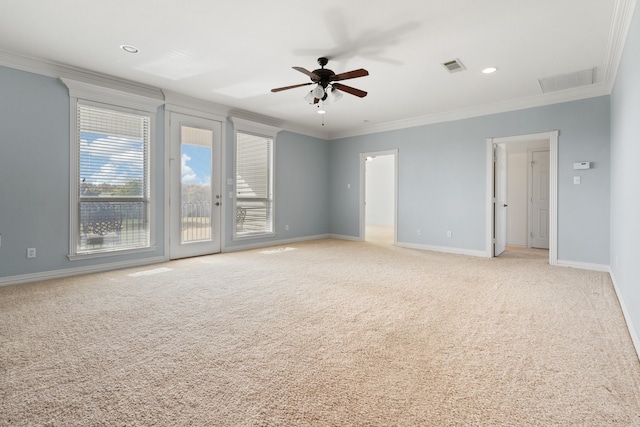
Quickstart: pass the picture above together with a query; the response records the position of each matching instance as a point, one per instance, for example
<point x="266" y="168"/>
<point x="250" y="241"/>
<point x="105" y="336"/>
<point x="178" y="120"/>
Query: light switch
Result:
<point x="576" y="180"/>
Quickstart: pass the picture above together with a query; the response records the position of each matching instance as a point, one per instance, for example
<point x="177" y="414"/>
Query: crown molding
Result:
<point x="542" y="100"/>
<point x="281" y="124"/>
<point x="58" y="70"/>
<point x="111" y="95"/>
<point x="176" y="101"/>
<point x="254" y="127"/>
<point x="184" y="104"/>
<point x="620" y="23"/>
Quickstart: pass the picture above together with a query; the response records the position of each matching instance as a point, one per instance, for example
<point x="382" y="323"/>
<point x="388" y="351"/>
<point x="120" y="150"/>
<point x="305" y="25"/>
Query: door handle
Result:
<point x="505" y="205"/>
<point x="217" y="203"/>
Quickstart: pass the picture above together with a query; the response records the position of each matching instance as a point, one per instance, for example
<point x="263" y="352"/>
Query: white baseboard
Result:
<point x="76" y="271"/>
<point x="627" y="317"/>
<point x="274" y="243"/>
<point x="445" y="249"/>
<point x="345" y="237"/>
<point x="583" y="265"/>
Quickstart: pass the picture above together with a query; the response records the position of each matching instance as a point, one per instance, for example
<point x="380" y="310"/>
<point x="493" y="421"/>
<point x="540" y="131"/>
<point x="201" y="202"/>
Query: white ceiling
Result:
<point x="233" y="52"/>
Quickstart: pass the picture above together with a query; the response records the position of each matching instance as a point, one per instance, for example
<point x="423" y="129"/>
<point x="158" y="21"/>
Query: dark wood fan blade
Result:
<point x="307" y="72"/>
<point x="349" y="89"/>
<point x="290" y="87"/>
<point x="350" y="75"/>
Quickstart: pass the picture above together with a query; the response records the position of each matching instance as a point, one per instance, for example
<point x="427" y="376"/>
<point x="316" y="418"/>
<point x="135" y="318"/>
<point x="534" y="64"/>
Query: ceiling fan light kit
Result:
<point x="326" y="89"/>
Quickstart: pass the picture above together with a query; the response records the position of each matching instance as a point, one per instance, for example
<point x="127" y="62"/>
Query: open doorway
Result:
<point x="528" y="194"/>
<point x="378" y="194"/>
<point x="522" y="187"/>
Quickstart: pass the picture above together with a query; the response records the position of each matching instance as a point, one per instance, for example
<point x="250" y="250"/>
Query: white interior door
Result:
<point x="195" y="199"/>
<point x="539" y="213"/>
<point x="500" y="188"/>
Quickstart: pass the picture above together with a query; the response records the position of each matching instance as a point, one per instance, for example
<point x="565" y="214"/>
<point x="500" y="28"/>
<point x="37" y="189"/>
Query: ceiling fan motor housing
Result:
<point x="324" y="74"/>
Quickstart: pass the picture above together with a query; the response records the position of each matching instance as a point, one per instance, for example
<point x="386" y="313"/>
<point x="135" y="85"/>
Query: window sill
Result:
<point x="110" y="253"/>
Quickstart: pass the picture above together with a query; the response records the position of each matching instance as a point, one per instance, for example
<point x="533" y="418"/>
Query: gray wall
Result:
<point x="625" y="175"/>
<point x="34" y="180"/>
<point x="34" y="176"/>
<point x="442" y="178"/>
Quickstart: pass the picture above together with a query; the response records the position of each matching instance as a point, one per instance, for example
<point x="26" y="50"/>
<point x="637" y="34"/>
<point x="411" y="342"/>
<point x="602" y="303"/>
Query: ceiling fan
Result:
<point x="325" y="81"/>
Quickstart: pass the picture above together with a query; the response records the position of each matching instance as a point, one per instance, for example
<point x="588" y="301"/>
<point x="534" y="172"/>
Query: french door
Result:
<point x="195" y="199"/>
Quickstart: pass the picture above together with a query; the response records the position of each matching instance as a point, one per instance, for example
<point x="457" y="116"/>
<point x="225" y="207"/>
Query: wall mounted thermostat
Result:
<point x="582" y="165"/>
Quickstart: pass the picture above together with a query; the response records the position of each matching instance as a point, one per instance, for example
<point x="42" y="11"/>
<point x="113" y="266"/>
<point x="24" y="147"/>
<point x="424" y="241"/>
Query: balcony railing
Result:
<point x="196" y="221"/>
<point x="113" y="224"/>
<point x="253" y="215"/>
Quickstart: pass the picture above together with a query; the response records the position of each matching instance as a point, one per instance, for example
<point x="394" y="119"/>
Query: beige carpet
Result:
<point x="331" y="333"/>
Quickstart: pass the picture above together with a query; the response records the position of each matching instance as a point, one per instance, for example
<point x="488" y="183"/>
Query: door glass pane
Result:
<point x="195" y="171"/>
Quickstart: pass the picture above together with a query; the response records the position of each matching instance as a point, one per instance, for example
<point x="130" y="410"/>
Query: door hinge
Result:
<point x="493" y="241"/>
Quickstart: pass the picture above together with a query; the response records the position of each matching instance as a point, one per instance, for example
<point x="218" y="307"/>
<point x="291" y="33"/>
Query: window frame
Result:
<point x="260" y="130"/>
<point x="81" y="93"/>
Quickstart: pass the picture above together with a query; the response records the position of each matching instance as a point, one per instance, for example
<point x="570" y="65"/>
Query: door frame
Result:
<point x="178" y="249"/>
<point x="552" y="136"/>
<point x="363" y="176"/>
<point x="198" y="109"/>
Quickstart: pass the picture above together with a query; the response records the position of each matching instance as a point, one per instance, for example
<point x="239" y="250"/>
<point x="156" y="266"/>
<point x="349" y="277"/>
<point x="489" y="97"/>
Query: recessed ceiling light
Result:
<point x="490" y="70"/>
<point x="129" y="49"/>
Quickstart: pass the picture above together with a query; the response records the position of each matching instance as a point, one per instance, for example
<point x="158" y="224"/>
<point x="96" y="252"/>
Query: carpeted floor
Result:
<point x="322" y="333"/>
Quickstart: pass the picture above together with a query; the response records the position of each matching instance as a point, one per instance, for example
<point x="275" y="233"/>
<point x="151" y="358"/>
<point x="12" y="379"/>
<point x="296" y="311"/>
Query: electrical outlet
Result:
<point x="419" y="233"/>
<point x="286" y="227"/>
<point x="31" y="252"/>
<point x="449" y="234"/>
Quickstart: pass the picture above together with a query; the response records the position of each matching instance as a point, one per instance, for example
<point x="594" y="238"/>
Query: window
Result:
<point x="254" y="201"/>
<point x="111" y="187"/>
<point x="113" y="199"/>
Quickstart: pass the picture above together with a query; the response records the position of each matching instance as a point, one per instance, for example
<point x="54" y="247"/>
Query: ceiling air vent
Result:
<point x="567" y="81"/>
<point x="454" y="66"/>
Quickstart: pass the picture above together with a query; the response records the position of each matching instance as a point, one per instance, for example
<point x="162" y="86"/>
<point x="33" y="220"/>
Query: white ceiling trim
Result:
<point x="179" y="103"/>
<point x="620" y="23"/>
<point x="109" y="95"/>
<point x="568" y="95"/>
<point x="619" y="29"/>
<point x="56" y="70"/>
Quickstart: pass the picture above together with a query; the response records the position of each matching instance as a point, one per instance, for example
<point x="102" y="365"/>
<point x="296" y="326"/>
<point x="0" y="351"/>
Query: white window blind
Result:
<point x="254" y="181"/>
<point x="113" y="174"/>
